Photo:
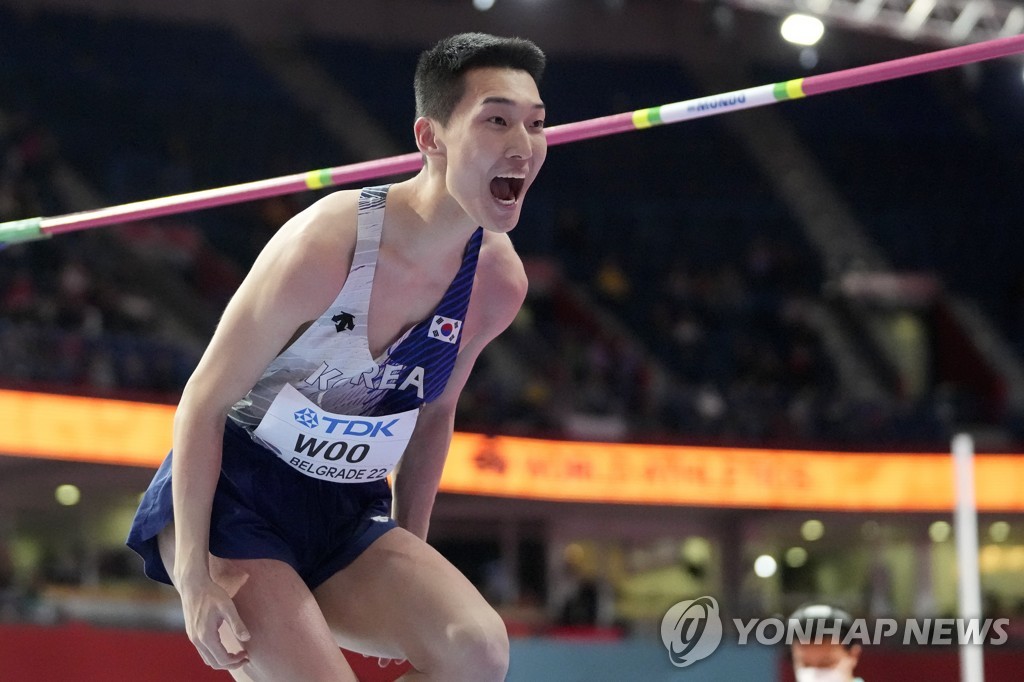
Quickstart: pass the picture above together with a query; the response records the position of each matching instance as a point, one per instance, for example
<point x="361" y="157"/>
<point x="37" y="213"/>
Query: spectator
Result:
<point x="822" y="656"/>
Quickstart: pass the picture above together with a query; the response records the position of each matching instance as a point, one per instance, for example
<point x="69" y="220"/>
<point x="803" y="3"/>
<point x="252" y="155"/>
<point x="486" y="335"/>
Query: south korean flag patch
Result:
<point x="445" y="329"/>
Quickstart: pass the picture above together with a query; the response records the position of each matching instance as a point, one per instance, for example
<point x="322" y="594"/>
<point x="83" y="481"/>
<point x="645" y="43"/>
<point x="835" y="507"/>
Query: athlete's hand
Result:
<point x="207" y="607"/>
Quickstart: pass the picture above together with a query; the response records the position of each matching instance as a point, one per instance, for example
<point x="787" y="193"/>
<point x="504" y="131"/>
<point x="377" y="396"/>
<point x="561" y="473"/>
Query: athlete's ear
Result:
<point x="427" y="139"/>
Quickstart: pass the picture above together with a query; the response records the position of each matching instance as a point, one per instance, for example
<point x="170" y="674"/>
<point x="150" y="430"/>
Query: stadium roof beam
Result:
<point x="950" y="22"/>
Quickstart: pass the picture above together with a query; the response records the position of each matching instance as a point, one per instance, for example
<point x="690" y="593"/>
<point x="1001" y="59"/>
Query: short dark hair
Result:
<point x="439" y="82"/>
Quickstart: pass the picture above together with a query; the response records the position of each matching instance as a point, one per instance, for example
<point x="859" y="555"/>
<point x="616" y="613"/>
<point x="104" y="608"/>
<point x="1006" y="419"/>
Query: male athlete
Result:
<point x="345" y="349"/>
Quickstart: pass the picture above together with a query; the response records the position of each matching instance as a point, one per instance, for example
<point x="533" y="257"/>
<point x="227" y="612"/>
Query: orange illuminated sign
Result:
<point x="84" y="429"/>
<point x="723" y="477"/>
<point x="119" y="432"/>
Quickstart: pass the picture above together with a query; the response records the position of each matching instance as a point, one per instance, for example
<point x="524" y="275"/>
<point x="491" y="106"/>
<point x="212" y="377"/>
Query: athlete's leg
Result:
<point x="289" y="638"/>
<point x="401" y="599"/>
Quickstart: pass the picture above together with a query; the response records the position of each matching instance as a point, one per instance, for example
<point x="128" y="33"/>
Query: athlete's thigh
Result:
<point x="289" y="638"/>
<point x="397" y="599"/>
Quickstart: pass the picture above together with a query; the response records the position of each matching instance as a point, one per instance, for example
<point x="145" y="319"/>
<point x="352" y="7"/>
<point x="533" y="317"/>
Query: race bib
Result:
<point x="334" y="447"/>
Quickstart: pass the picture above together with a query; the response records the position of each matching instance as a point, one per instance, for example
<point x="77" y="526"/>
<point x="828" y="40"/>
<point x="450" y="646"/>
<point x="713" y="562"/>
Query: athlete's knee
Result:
<point x="483" y="646"/>
<point x="476" y="648"/>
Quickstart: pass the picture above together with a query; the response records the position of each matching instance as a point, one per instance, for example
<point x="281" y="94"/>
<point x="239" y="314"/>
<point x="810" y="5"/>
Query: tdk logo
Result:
<point x="353" y="427"/>
<point x="307" y="418"/>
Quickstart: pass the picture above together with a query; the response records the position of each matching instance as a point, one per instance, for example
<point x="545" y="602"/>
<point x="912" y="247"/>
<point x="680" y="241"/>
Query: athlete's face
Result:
<point x="494" y="145"/>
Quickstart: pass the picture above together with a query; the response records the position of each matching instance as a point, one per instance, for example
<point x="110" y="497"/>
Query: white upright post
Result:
<point x="966" y="530"/>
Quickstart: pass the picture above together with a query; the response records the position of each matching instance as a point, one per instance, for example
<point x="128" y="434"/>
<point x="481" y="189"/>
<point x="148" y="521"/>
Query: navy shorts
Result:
<point x="264" y="509"/>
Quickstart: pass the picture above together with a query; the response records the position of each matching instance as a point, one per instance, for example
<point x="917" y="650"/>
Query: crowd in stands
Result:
<point x="710" y="353"/>
<point x="942" y="174"/>
<point x="66" y="321"/>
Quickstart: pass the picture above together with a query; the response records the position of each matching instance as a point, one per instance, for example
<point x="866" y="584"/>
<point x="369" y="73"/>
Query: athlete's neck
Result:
<point x="429" y="219"/>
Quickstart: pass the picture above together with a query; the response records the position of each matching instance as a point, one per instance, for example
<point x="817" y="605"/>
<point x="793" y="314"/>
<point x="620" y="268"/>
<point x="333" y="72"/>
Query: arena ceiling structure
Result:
<point x="944" y="22"/>
<point x="861" y="30"/>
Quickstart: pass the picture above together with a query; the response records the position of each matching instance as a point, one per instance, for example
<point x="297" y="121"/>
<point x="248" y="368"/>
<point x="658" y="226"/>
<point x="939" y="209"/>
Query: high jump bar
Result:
<point x="40" y="228"/>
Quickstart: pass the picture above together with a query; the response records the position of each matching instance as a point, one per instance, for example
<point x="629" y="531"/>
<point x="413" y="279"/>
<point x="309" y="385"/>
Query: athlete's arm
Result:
<point x="498" y="293"/>
<point x="292" y="282"/>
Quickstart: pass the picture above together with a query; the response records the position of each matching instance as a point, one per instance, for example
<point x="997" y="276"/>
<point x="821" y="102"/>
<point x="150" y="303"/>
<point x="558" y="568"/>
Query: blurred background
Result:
<point x="832" y="275"/>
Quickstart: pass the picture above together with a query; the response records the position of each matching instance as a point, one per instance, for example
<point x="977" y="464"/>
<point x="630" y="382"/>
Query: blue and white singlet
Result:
<point x="328" y="375"/>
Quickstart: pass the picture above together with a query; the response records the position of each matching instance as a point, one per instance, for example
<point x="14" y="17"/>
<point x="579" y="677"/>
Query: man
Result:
<point x="283" y="542"/>
<point x="820" y="655"/>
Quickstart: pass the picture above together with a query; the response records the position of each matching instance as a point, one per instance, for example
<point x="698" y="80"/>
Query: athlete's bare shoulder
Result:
<point x="319" y="240"/>
<point x="500" y="286"/>
<point x="306" y="262"/>
<point x="329" y="221"/>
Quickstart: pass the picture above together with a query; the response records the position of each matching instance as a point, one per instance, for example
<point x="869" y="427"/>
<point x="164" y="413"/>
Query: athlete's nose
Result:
<point x="519" y="144"/>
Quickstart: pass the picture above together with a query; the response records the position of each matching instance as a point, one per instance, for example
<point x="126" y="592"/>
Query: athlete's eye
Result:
<point x="539" y="123"/>
<point x="497" y="120"/>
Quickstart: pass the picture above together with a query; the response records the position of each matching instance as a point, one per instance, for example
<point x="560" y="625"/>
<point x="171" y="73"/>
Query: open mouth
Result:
<point x="506" y="189"/>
